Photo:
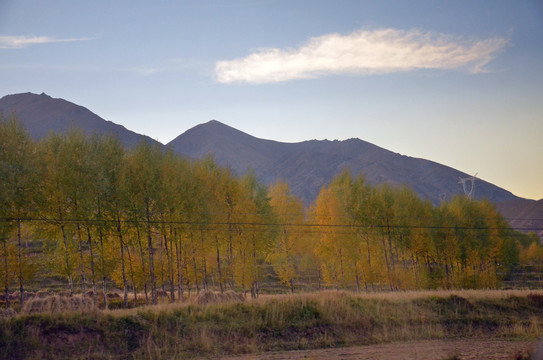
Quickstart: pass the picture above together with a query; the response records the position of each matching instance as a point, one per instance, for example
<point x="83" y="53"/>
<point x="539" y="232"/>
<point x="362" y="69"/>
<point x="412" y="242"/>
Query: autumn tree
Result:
<point x="56" y="208"/>
<point x="109" y="204"/>
<point x="337" y="243"/>
<point x="254" y="236"/>
<point x="291" y="242"/>
<point x="19" y="192"/>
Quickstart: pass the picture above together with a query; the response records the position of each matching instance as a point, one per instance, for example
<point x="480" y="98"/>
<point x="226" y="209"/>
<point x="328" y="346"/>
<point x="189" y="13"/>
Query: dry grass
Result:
<point x="58" y="304"/>
<point x="328" y="299"/>
<point x="208" y="325"/>
<point x="407" y="295"/>
<point x="7" y="313"/>
<point x="212" y="297"/>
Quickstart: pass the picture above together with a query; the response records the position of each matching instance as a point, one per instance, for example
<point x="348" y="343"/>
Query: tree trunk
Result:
<point x="142" y="264"/>
<point x="204" y="264"/>
<point x="194" y="264"/>
<point x="387" y="263"/>
<point x="179" y="267"/>
<point x="104" y="285"/>
<point x="67" y="260"/>
<point x="134" y="287"/>
<point x="218" y="262"/>
<point x="154" y="299"/>
<point x="94" y="295"/>
<point x="121" y="243"/>
<point x="231" y="254"/>
<point x="6" y="269"/>
<point x="254" y="292"/>
<point x="341" y="268"/>
<point x="21" y="288"/>
<point x="172" y="272"/>
<point x="82" y="269"/>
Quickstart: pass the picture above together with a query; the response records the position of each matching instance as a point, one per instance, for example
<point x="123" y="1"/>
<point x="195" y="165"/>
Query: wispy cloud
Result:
<point x="175" y="65"/>
<point x="21" y="41"/>
<point x="361" y="52"/>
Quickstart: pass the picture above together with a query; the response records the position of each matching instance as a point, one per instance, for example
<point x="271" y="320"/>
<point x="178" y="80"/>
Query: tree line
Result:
<point x="90" y="211"/>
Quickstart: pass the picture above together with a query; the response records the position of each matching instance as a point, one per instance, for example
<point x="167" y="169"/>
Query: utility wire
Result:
<point x="270" y="224"/>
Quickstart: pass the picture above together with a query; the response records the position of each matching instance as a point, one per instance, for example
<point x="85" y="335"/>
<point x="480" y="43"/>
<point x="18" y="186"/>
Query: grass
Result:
<point x="273" y="322"/>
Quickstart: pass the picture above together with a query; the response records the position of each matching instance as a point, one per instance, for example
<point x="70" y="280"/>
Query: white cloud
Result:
<point x="362" y="52"/>
<point x="21" y="41"/>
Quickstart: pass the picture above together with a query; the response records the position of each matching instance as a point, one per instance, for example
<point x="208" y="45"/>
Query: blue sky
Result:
<point x="457" y="82"/>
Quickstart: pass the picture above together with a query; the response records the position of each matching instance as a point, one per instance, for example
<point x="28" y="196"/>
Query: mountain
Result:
<point x="41" y="114"/>
<point x="309" y="165"/>
<point x="306" y="166"/>
<point x="523" y="214"/>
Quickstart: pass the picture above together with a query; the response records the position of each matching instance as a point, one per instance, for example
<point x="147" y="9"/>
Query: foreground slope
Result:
<point x="309" y="165"/>
<point x="41" y="114"/>
<point x="277" y="322"/>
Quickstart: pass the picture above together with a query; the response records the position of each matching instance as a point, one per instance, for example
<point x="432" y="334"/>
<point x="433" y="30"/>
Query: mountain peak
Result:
<point x="217" y="125"/>
<point x="212" y="131"/>
<point x="26" y="96"/>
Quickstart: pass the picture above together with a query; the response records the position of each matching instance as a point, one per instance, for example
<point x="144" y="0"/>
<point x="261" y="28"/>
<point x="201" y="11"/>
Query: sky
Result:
<point x="456" y="82"/>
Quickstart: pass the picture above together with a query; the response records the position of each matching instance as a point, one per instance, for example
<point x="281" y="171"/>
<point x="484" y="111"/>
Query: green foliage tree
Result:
<point x="109" y="205"/>
<point x="19" y="193"/>
<point x="144" y="183"/>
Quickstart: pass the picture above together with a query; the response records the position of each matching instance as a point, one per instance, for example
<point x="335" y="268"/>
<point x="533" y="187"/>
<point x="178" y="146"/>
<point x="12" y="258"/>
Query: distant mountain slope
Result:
<point x="524" y="214"/>
<point x="306" y="166"/>
<point x="41" y="114"/>
<point x="309" y="165"/>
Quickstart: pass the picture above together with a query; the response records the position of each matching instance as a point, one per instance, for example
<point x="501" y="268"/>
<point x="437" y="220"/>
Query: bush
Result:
<point x="56" y="304"/>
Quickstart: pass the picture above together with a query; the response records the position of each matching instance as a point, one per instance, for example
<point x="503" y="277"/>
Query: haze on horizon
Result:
<point x="456" y="82"/>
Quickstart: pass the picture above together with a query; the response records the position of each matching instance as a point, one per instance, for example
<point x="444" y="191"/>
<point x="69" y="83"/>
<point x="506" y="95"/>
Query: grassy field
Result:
<point x="273" y="322"/>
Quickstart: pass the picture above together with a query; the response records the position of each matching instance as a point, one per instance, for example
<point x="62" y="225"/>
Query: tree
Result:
<point x="144" y="184"/>
<point x="252" y="214"/>
<point x="56" y="209"/>
<point x="19" y="190"/>
<point x="109" y="200"/>
<point x="290" y="243"/>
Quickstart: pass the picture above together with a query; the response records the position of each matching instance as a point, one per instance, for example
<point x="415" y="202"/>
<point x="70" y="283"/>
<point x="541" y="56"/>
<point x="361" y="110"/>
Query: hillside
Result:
<point x="42" y="114"/>
<point x="309" y="165"/>
<point x="524" y="214"/>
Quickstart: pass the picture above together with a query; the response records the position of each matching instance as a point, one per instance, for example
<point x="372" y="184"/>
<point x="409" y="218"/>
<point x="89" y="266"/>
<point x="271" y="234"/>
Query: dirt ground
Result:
<point x="465" y="349"/>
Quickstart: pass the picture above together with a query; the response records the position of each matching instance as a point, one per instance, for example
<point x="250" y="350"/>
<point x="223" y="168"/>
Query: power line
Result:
<point x="98" y="222"/>
<point x="368" y="217"/>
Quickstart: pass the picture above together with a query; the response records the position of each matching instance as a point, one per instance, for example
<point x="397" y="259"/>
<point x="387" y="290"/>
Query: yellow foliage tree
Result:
<point x="290" y="243"/>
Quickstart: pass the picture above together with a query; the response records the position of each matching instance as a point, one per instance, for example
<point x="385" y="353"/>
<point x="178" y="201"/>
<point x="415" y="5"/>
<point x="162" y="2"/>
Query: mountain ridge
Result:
<point x="306" y="165"/>
<point x="311" y="164"/>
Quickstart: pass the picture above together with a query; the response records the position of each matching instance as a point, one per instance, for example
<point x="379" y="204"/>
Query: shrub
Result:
<point x="57" y="304"/>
